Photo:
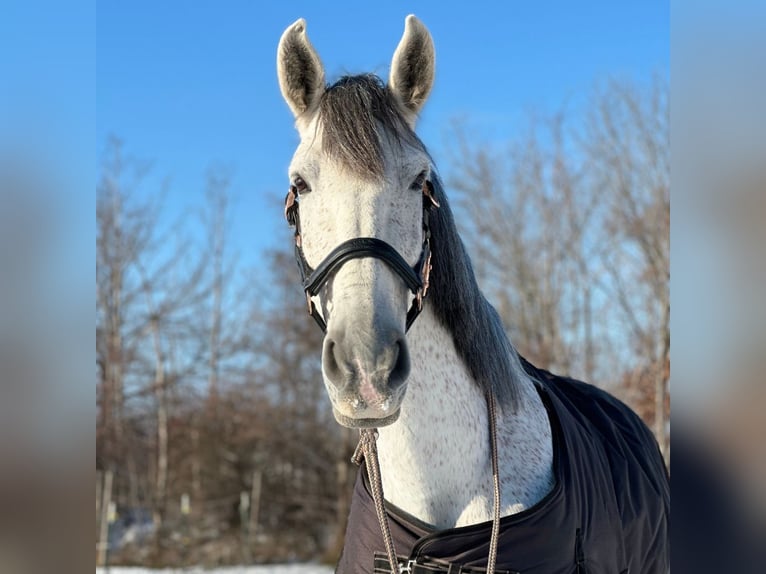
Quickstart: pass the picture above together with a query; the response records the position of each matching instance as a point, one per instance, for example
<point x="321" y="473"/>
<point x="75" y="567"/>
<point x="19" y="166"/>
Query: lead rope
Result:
<point x="492" y="415"/>
<point x="367" y="448"/>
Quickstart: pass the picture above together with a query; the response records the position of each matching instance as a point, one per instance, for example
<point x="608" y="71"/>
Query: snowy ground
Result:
<point x="272" y="569"/>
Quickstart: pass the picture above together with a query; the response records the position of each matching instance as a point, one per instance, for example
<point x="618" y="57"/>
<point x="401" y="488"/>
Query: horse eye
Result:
<point x="417" y="185"/>
<point x="300" y="185"/>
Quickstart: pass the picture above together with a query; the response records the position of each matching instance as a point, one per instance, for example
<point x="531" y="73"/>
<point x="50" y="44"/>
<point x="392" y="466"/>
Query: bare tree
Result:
<point x="570" y="235"/>
<point x="217" y="198"/>
<point x="146" y="284"/>
<point x="124" y="232"/>
<point x="629" y="154"/>
<point x="527" y="224"/>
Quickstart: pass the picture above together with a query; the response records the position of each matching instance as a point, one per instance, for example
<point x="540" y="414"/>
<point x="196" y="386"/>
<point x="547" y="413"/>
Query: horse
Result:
<point x="488" y="464"/>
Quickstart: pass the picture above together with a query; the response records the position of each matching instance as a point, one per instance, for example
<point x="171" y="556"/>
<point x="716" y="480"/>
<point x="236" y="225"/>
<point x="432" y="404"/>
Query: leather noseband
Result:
<point x="416" y="278"/>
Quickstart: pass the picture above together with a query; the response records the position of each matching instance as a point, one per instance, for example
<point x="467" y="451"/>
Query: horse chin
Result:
<point x="365" y="423"/>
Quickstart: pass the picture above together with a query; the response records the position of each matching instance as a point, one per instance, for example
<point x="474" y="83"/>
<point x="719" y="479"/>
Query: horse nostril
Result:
<point x="401" y="368"/>
<point x="332" y="359"/>
<point x="385" y="369"/>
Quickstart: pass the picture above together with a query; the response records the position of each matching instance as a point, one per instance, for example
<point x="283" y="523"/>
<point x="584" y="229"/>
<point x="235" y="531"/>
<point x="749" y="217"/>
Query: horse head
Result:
<point x="359" y="199"/>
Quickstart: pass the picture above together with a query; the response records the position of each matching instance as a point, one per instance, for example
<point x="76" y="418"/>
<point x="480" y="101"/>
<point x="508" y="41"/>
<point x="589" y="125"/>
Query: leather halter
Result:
<point x="416" y="278"/>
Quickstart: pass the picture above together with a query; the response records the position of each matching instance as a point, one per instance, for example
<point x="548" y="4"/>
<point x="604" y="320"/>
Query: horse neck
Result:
<point x="435" y="459"/>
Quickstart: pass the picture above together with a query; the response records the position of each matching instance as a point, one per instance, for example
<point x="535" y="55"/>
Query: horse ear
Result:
<point x="300" y="71"/>
<point x="412" y="68"/>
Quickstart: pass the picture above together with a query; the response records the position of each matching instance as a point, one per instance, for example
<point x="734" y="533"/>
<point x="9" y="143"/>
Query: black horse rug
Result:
<point x="608" y="512"/>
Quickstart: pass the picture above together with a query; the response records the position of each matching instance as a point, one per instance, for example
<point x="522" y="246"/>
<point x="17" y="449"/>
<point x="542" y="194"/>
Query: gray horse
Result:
<point x="487" y="463"/>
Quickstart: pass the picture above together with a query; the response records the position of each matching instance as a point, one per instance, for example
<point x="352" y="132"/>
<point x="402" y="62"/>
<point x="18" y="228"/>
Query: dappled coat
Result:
<point x="608" y="512"/>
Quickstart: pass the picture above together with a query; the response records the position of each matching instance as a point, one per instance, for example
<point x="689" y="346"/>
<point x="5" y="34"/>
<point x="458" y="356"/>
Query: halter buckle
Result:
<point x="426" y="273"/>
<point x="406" y="567"/>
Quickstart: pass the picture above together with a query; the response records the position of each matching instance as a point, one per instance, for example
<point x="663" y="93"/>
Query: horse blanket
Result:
<point x="608" y="512"/>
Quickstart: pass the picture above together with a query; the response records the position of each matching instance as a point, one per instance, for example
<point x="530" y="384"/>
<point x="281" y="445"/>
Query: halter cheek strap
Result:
<point x="416" y="278"/>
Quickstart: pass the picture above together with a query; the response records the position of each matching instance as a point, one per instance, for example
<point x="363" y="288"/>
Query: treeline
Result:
<point x="215" y="440"/>
<point x="569" y="229"/>
<point x="214" y="437"/>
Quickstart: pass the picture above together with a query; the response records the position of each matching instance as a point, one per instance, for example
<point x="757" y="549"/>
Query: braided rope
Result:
<point x="369" y="447"/>
<point x="492" y="415"/>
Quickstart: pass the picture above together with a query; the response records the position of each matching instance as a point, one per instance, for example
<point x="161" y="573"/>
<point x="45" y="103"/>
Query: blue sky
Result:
<point x="188" y="85"/>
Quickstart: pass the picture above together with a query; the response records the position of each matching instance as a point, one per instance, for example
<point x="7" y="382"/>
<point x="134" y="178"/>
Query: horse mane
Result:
<point x="477" y="330"/>
<point x="355" y="114"/>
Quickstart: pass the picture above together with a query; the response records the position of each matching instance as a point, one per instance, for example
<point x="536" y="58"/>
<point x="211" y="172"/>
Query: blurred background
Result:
<point x="549" y="123"/>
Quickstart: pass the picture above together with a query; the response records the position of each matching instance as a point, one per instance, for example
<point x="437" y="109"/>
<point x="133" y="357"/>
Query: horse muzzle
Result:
<point x="366" y="379"/>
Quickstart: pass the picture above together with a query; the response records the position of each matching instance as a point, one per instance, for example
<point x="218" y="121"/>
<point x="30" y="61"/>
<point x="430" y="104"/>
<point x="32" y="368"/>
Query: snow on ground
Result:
<point x="270" y="569"/>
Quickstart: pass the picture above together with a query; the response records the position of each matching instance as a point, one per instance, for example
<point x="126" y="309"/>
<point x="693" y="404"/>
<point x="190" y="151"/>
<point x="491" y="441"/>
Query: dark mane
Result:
<point x="353" y="112"/>
<point x="476" y="328"/>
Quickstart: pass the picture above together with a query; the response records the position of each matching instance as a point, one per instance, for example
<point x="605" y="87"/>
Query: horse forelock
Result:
<point x="357" y="114"/>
